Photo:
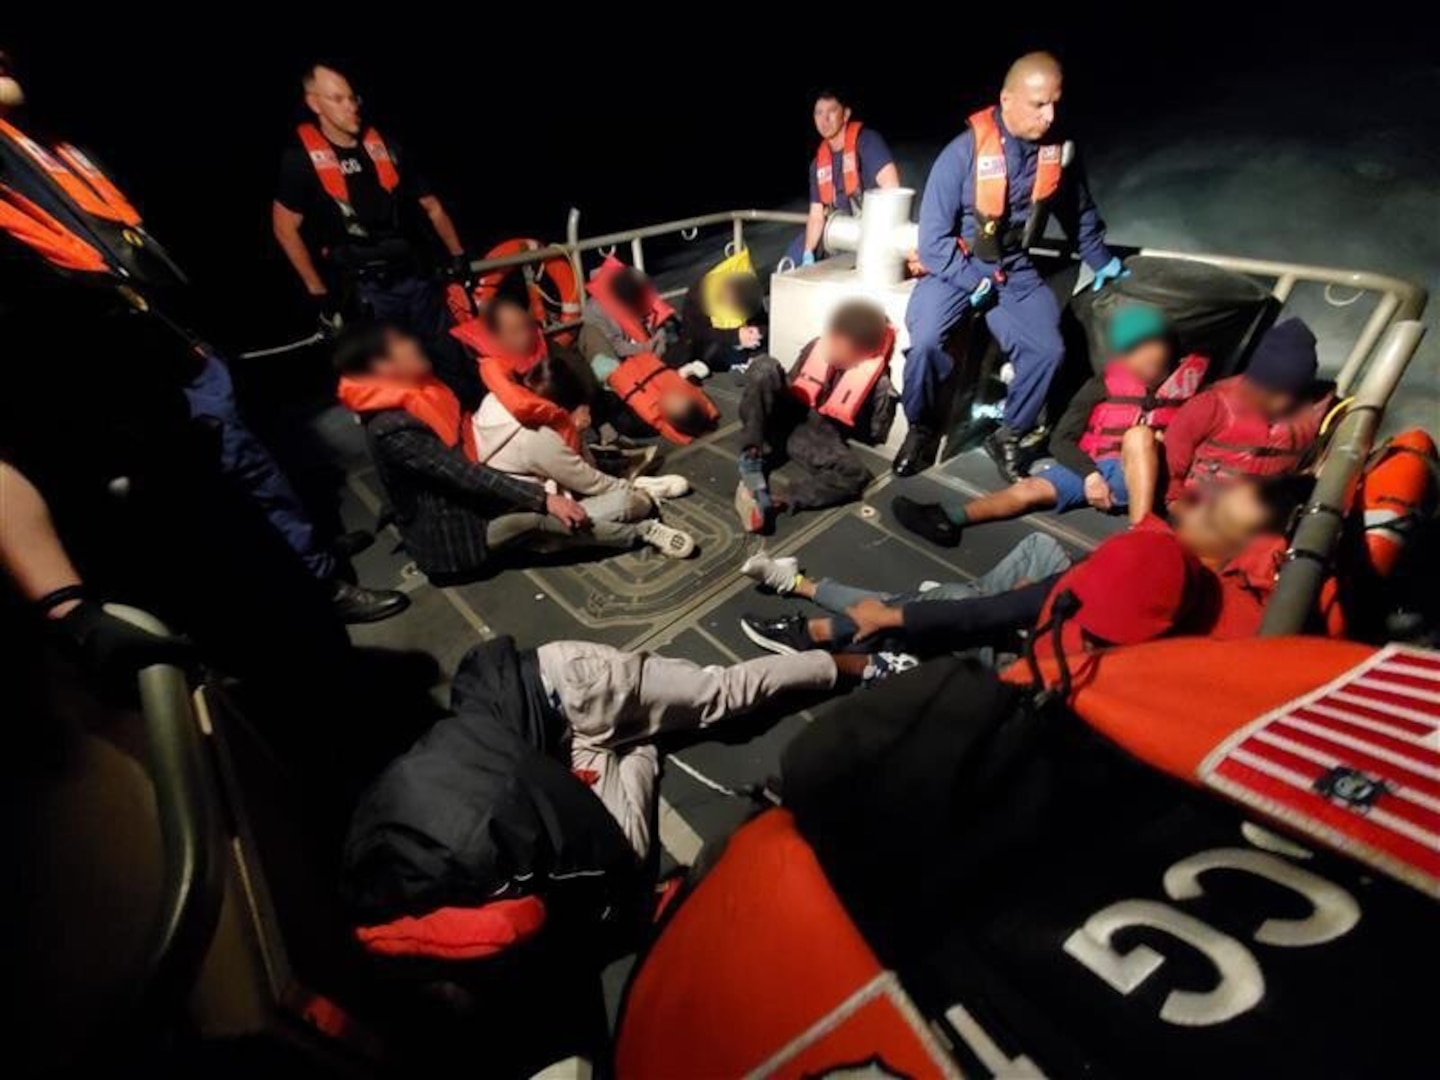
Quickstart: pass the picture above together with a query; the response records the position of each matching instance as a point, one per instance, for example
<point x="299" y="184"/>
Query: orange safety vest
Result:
<point x="602" y="287"/>
<point x="432" y="403"/>
<point x="1129" y="402"/>
<point x="992" y="206"/>
<point x="845" y="400"/>
<point x="1249" y="444"/>
<point x="849" y="166"/>
<point x="332" y="178"/>
<point x="643" y="381"/>
<point x="501" y="371"/>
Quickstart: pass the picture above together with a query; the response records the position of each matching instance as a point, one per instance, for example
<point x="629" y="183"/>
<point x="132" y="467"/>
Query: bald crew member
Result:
<point x="345" y="216"/>
<point x="851" y="160"/>
<point x="989" y="195"/>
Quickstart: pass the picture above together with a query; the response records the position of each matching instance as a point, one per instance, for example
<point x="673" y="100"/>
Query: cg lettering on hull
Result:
<point x="1240" y="982"/>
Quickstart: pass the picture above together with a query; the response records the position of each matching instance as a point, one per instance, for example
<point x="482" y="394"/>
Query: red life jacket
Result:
<point x="643" y="381"/>
<point x="327" y="166"/>
<point x="501" y="372"/>
<point x="432" y="403"/>
<point x="849" y="166"/>
<point x="845" y="400"/>
<point x="1129" y="402"/>
<point x="1248" y="443"/>
<point x="992" y="207"/>
<point x="602" y="287"/>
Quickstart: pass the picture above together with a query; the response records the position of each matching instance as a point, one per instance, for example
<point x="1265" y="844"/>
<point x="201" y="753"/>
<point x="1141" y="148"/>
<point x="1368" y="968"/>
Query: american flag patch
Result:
<point x="990" y="166"/>
<point x="1355" y="763"/>
<point x="1050" y="154"/>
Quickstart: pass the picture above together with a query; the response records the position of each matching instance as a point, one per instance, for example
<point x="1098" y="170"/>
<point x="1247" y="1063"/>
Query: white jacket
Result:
<point x="538" y="454"/>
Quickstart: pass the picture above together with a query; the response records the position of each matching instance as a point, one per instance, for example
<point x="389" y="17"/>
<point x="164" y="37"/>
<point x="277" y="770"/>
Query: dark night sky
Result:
<point x="644" y="125"/>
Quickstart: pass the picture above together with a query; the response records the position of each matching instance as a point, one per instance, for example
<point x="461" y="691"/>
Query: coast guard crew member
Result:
<point x="987" y="199"/>
<point x="360" y="255"/>
<point x="850" y="160"/>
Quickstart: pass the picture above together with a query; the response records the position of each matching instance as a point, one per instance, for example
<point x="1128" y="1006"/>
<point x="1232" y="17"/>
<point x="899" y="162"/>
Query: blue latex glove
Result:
<point x="808" y="259"/>
<point x="1111" y="271"/>
<point x="983" y="296"/>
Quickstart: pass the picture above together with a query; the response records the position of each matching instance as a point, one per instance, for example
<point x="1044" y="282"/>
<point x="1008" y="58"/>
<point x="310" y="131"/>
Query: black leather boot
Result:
<point x="1003" y="446"/>
<point x="918" y="451"/>
<point x="356" y="604"/>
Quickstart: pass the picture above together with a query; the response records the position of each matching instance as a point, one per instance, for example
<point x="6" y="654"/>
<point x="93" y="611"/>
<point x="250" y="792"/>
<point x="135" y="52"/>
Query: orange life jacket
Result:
<point x="1248" y="444"/>
<point x="992" y="207"/>
<point x="849" y="166"/>
<point x="432" y="403"/>
<point x="327" y="168"/>
<point x="94" y="204"/>
<point x="642" y="383"/>
<point x="1330" y="738"/>
<point x="638" y="330"/>
<point x="1396" y="493"/>
<point x="845" y="400"/>
<point x="501" y="372"/>
<point x="1129" y="402"/>
<point x="551" y="285"/>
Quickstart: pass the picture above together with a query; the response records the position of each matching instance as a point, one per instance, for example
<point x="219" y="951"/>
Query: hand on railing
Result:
<point x="111" y="651"/>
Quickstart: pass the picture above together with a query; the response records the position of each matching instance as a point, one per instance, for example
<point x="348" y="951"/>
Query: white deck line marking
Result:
<point x="676" y="836"/>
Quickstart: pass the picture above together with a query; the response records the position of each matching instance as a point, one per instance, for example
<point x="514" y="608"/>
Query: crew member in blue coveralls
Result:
<point x="851" y="160"/>
<point x="987" y="199"/>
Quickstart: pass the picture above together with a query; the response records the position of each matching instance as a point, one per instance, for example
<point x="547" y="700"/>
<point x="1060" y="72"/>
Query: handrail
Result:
<point x="193" y="847"/>
<point x="1308" y="560"/>
<point x="1400" y="300"/>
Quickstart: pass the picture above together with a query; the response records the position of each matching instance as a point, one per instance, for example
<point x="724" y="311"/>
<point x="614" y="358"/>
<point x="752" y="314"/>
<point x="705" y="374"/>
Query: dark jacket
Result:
<point x="484" y="807"/>
<point x="442" y="502"/>
<point x="707" y="343"/>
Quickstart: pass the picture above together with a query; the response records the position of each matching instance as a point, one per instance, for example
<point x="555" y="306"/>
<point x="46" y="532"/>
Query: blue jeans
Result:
<point x="246" y="461"/>
<point x="1025" y="322"/>
<point x="1036" y="557"/>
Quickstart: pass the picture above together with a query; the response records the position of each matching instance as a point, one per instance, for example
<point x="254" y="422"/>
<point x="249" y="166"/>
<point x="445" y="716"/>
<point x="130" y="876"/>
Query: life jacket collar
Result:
<point x="993" y="239"/>
<point x="431" y="402"/>
<point x="849" y="167"/>
<point x="840" y="394"/>
<point x="638" y="329"/>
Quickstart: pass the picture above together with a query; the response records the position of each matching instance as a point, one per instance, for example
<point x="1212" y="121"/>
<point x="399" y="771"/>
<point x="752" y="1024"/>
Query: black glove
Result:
<point x="460" y="273"/>
<point x="111" y="651"/>
<point x="328" y="313"/>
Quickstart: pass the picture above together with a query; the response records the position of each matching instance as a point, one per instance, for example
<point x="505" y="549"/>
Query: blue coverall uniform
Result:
<point x="1025" y="319"/>
<point x="872" y="154"/>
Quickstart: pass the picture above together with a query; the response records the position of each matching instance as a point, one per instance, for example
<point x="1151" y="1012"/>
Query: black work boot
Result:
<point x="926" y="519"/>
<point x="356" y="604"/>
<point x="1003" y="446"/>
<point x="917" y="452"/>
<point x="349" y="544"/>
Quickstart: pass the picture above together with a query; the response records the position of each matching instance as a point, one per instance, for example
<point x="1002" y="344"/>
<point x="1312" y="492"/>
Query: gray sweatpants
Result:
<point x="616" y="701"/>
<point x="612" y="518"/>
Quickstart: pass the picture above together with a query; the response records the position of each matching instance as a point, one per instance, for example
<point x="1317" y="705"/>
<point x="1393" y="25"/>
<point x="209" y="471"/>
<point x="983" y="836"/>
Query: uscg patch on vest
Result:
<point x="823" y="173"/>
<point x="1050" y="154"/>
<point x="990" y="166"/>
<point x="1355" y="763"/>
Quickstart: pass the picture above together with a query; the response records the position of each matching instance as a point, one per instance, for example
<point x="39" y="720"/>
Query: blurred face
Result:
<point x="515" y="330"/>
<point x="1218" y="528"/>
<point x="830" y="118"/>
<point x="1274" y="403"/>
<point x="404" y="360"/>
<point x="1149" y="361"/>
<point x="843" y="352"/>
<point x="332" y="100"/>
<point x="1029" y="109"/>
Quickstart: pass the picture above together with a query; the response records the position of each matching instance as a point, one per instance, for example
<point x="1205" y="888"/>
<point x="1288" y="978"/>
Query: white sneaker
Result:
<point x="670" y="486"/>
<point x="672" y="543"/>
<point x="777" y="573"/>
<point x="927" y="585"/>
<point x="695" y="370"/>
<point x="886" y="665"/>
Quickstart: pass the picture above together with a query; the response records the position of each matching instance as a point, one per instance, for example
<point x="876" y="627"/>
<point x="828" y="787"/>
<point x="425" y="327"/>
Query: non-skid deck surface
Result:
<point x="692" y="608"/>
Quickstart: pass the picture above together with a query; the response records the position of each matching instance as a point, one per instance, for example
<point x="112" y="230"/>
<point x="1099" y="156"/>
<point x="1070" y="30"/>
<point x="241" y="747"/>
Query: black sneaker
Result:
<point x="356" y="604"/>
<point x="786" y="635"/>
<point x="926" y="519"/>
<point x="917" y="452"/>
<point x="1003" y="446"/>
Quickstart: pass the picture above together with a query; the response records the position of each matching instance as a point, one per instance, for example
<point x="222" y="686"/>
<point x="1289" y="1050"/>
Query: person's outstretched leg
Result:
<point x="550" y="534"/>
<point x="942" y="525"/>
<point x="1034" y="558"/>
<point x="1140" y="463"/>
<point x="625" y="782"/>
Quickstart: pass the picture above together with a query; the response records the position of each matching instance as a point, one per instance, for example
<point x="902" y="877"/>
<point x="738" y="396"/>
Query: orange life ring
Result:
<point x="559" y="301"/>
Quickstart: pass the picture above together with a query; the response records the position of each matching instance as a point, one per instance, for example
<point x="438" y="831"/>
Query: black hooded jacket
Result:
<point x="484" y="807"/>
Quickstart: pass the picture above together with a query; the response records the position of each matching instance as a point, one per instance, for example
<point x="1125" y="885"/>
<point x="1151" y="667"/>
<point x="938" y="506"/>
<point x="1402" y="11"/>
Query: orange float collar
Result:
<point x="79" y="178"/>
<point x="643" y="381"/>
<point x="992" y="206"/>
<point x="327" y="164"/>
<point x="638" y="330"/>
<point x="849" y="166"/>
<point x="845" y="400"/>
<point x="500" y="371"/>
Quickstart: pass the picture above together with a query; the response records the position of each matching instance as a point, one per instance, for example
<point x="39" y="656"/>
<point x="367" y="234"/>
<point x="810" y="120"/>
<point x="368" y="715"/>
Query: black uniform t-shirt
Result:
<point x="387" y="216"/>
